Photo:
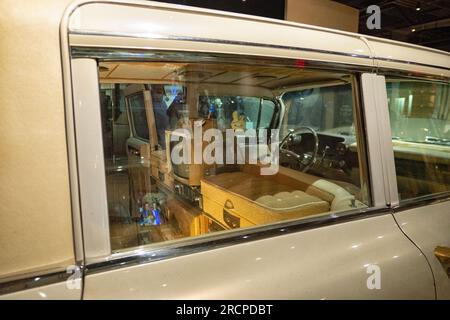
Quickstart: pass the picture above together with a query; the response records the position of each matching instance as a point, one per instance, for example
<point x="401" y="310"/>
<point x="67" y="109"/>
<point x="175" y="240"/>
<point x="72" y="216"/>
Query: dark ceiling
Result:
<point x="422" y="22"/>
<point x="425" y="23"/>
<point x="264" y="8"/>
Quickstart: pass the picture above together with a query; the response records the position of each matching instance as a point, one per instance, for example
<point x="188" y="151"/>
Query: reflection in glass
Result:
<point x="152" y="199"/>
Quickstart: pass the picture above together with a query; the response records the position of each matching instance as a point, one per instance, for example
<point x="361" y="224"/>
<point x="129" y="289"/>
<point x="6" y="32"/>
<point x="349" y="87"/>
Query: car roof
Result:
<point x="183" y="23"/>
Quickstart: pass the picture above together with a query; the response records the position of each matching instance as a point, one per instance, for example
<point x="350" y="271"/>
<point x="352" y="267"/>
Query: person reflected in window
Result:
<point x="173" y="112"/>
<point x="160" y="109"/>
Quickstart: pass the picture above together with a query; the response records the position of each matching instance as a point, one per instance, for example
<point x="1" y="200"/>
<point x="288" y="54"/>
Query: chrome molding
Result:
<point x="143" y="255"/>
<point x="35" y="280"/>
<point x="245" y="43"/>
<point x="422" y="201"/>
<point x="211" y="40"/>
<point x="121" y="54"/>
<point x="411" y="63"/>
<point x="412" y="75"/>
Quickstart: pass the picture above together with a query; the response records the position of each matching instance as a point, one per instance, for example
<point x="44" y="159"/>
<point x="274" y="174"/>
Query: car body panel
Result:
<point x="324" y="263"/>
<point x="139" y="24"/>
<point x="35" y="199"/>
<point x="90" y="28"/>
<point x="56" y="291"/>
<point x="429" y="227"/>
<point x="391" y="57"/>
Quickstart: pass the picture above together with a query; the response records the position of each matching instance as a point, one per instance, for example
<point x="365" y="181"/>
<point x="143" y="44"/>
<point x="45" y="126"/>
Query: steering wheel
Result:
<point x="304" y="159"/>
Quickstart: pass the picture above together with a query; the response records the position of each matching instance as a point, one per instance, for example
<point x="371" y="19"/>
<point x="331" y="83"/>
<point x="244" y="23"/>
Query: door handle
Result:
<point x="443" y="254"/>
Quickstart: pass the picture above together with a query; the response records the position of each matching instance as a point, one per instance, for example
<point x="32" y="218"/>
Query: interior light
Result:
<point x="413" y="30"/>
<point x="418" y="7"/>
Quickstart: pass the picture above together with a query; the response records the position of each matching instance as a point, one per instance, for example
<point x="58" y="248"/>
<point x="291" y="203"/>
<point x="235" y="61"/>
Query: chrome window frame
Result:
<point x="39" y="279"/>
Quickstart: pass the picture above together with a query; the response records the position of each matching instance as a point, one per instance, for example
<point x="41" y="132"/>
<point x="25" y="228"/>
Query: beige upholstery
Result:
<point x="338" y="197"/>
<point x="289" y="200"/>
<point x="297" y="180"/>
<point x="259" y="199"/>
<point x="268" y="193"/>
<point x="342" y="198"/>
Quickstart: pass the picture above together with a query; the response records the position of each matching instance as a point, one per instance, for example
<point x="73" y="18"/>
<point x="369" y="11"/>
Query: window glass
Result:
<point x="328" y="111"/>
<point x="420" y="123"/>
<point x="273" y="146"/>
<point x="267" y="112"/>
<point x="169" y="103"/>
<point x="137" y="108"/>
<point x="114" y="122"/>
<point x="256" y="112"/>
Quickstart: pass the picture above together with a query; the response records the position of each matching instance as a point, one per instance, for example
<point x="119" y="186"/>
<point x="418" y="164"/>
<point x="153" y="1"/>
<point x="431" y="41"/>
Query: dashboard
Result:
<point x="334" y="158"/>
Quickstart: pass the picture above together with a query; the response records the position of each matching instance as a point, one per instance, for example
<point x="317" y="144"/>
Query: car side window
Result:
<point x="256" y="112"/>
<point x="328" y="111"/>
<point x="420" y="123"/>
<point x="137" y="110"/>
<point x="269" y="149"/>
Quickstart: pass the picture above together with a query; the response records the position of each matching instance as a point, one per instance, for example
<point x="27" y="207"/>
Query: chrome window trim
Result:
<point x="423" y="201"/>
<point x="36" y="279"/>
<point x="246" y="43"/>
<point x="211" y="40"/>
<point x="412" y="75"/>
<point x="123" y="54"/>
<point x="111" y="54"/>
<point x="410" y="63"/>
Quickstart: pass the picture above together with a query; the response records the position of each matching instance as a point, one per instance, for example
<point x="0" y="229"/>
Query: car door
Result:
<point x="290" y="234"/>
